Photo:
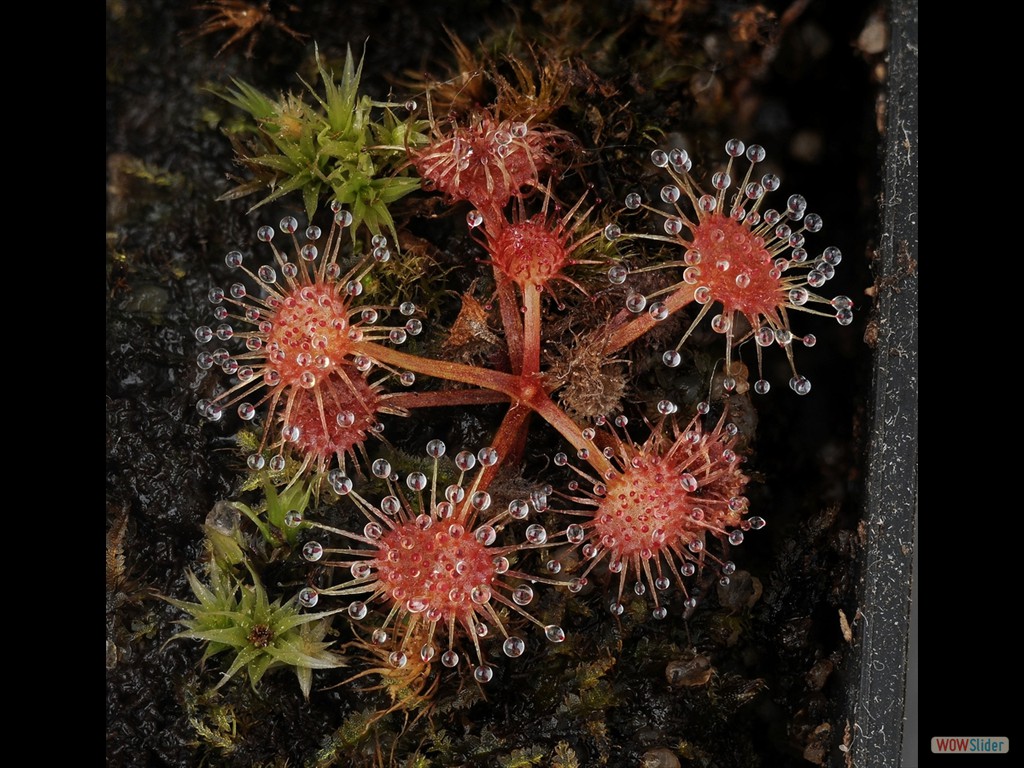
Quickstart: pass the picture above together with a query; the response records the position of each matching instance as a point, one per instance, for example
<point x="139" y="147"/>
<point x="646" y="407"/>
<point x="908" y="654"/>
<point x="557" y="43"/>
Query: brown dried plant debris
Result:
<point x="244" y="19"/>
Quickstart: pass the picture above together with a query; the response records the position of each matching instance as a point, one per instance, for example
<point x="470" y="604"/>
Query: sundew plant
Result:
<point x="491" y="365"/>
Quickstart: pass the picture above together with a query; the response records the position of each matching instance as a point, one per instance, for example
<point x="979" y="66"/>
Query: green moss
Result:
<point x="343" y="144"/>
<point x="232" y="615"/>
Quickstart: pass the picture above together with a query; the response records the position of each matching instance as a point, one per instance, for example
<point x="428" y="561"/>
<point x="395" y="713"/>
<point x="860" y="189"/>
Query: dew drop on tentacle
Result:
<point x="518" y="509"/>
<point x="523" y="594"/>
<point x="554" y="633"/>
<point x="450" y="659"/>
<point x="575" y="533"/>
<point x="513" y="647"/>
<point x="636" y="302"/>
<point x="800" y="385"/>
<point x="680" y="159"/>
<point x="536" y="534"/>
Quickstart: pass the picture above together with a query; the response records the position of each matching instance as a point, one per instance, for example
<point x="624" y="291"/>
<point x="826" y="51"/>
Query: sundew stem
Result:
<point x="531" y="330"/>
<point x="511" y="321"/>
<point x="521" y="390"/>
<point x="628" y="331"/>
<point x="449" y="397"/>
<point x="497" y="381"/>
<point x="509" y="440"/>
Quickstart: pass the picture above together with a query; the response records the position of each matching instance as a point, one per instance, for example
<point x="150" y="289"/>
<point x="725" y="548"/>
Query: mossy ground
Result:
<point x="776" y="697"/>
